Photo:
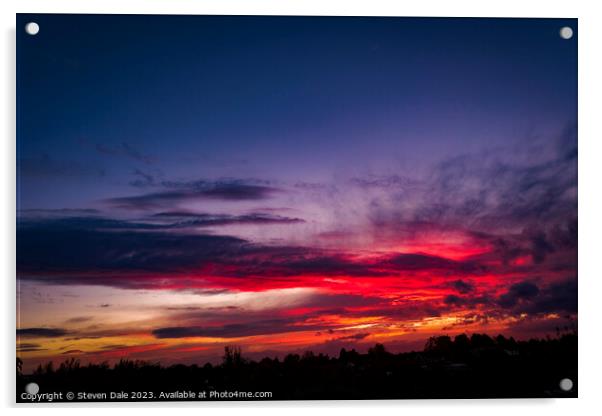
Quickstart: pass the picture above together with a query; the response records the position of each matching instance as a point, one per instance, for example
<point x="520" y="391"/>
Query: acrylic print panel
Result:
<point x="276" y="208"/>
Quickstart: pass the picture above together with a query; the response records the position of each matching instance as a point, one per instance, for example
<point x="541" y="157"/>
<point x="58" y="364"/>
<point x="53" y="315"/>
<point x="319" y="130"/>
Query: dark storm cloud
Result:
<point x="122" y="254"/>
<point x="270" y="326"/>
<point x="535" y="241"/>
<point x="505" y="248"/>
<point x="128" y="254"/>
<point x="208" y="220"/>
<point x="417" y="262"/>
<point x="308" y="262"/>
<point x="297" y="261"/>
<point x="161" y="221"/>
<point x="98" y="332"/>
<point x="467" y="301"/>
<point x="175" y="192"/>
<point x="239" y="192"/>
<point x="524" y="297"/>
<point x="518" y="292"/>
<point x="41" y="332"/>
<point x="540" y="247"/>
<point x="558" y="297"/>
<point x="49" y="250"/>
<point x="462" y="286"/>
<point x="312" y="263"/>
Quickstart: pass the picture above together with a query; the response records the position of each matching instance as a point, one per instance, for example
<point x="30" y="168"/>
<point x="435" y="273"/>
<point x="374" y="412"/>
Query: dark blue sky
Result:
<point x="288" y="98"/>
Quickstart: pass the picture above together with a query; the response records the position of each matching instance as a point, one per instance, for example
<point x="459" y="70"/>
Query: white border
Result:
<point x="590" y="176"/>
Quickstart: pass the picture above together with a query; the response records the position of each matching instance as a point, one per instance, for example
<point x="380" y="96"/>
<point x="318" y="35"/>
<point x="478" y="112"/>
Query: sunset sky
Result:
<point x="284" y="184"/>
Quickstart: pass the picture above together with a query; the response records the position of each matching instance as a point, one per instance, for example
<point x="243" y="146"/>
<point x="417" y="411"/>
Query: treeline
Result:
<point x="461" y="367"/>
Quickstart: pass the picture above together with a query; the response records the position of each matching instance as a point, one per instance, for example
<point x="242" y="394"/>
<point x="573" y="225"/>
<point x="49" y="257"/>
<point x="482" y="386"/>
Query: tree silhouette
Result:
<point x="442" y="345"/>
<point x="232" y="356"/>
<point x="462" y="367"/>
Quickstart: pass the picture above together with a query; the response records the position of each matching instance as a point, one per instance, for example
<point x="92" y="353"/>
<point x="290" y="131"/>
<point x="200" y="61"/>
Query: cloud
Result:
<point x="271" y="326"/>
<point x="79" y="319"/>
<point x="29" y="347"/>
<point x="124" y="150"/>
<point x="186" y="219"/>
<point x="83" y="250"/>
<point x="341" y="300"/>
<point x="522" y="297"/>
<point x="518" y="292"/>
<point x="462" y="286"/>
<point x="467" y="301"/>
<point x="558" y="297"/>
<point x="308" y="262"/>
<point x="41" y="332"/>
<point x="144" y="179"/>
<point x="540" y="247"/>
<point x="295" y="303"/>
<point x="70" y="352"/>
<point x="499" y="188"/>
<point x="417" y="261"/>
<point x="384" y="181"/>
<point x="162" y="221"/>
<point x="132" y="254"/>
<point x="177" y="192"/>
<point x="514" y="198"/>
<point x="354" y="337"/>
<point x="114" y="346"/>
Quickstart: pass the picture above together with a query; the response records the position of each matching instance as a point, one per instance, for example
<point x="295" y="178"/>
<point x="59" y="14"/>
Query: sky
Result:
<point x="291" y="183"/>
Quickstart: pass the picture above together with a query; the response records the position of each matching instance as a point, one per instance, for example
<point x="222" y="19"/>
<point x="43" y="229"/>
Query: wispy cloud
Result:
<point x="124" y="149"/>
<point x="178" y="192"/>
<point x="41" y="332"/>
